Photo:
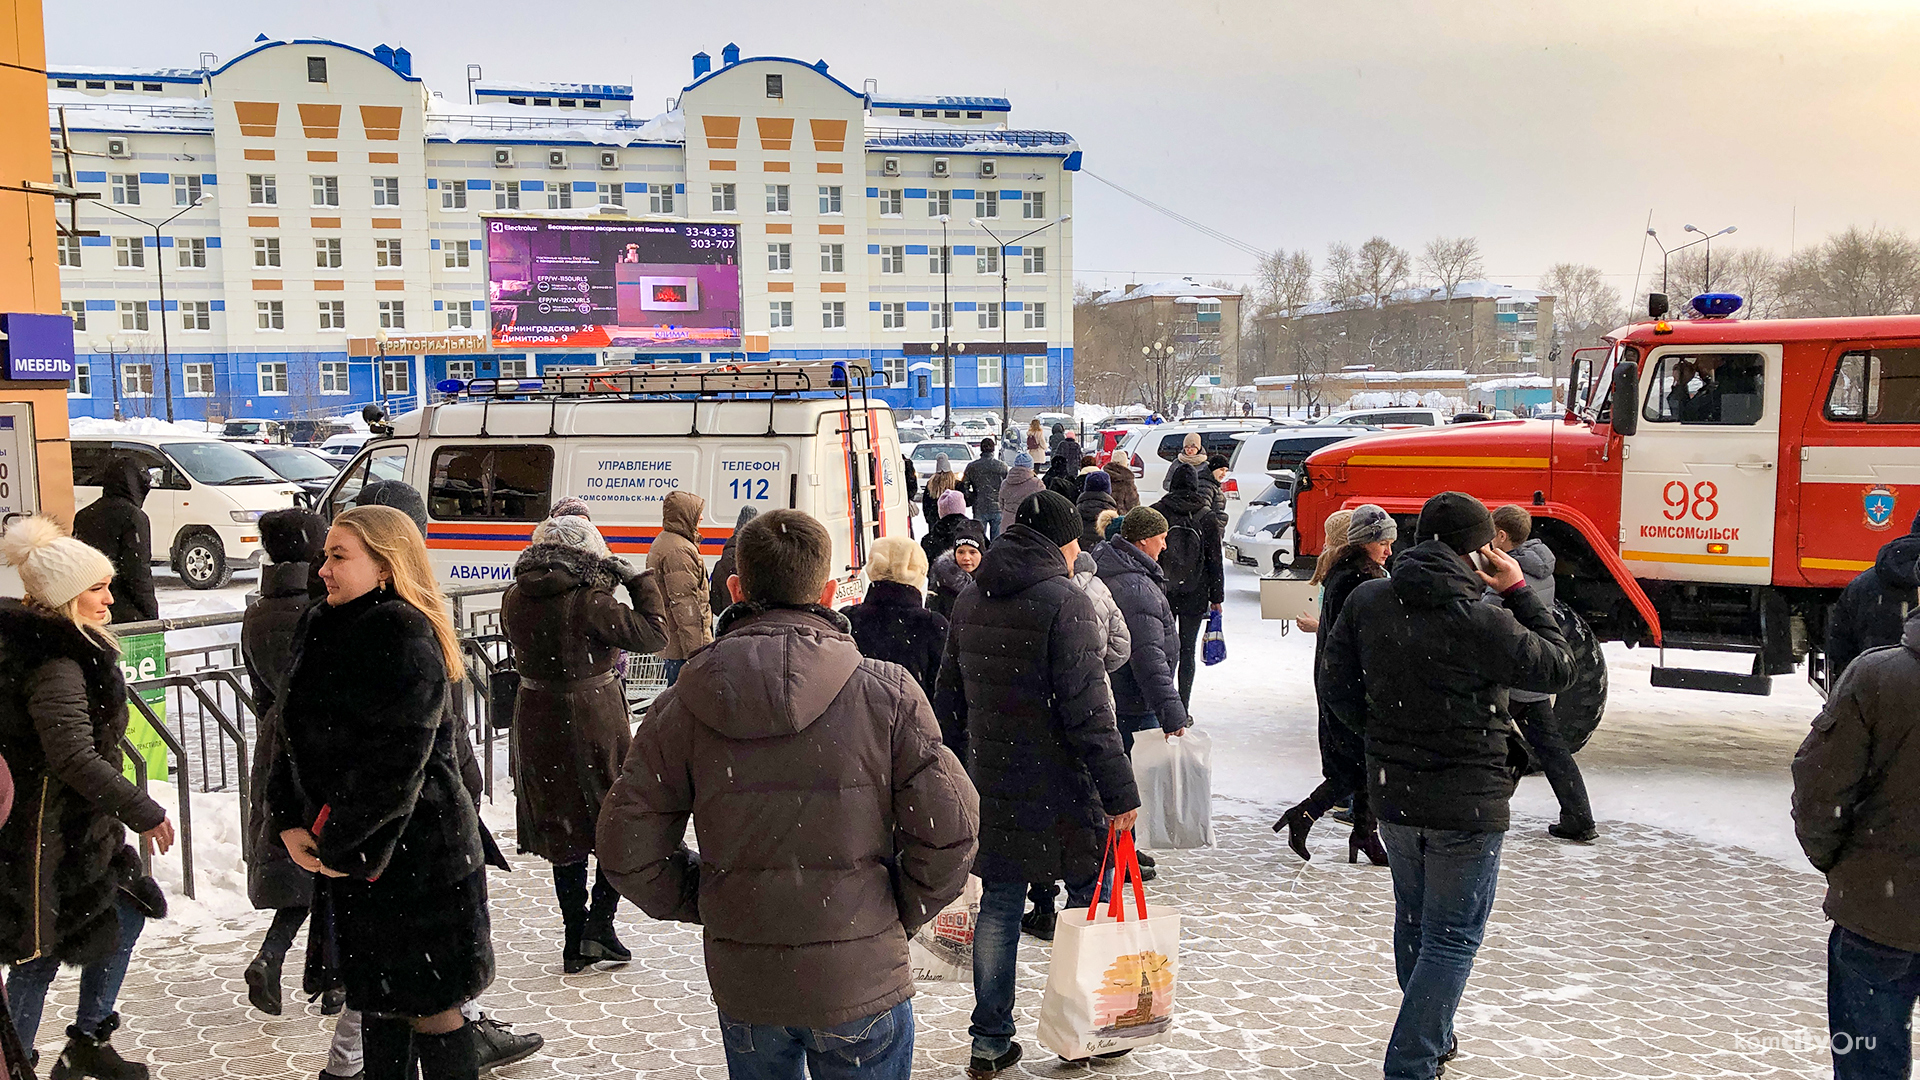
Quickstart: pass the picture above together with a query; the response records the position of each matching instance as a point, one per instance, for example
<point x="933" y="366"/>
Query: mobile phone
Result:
<point x="1480" y="562"/>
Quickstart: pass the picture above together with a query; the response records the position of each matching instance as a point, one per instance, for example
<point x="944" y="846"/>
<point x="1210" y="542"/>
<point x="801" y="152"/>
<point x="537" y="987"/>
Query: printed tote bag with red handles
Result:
<point x="1111" y="982"/>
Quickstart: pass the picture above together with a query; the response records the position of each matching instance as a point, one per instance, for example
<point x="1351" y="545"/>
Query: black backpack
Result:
<point x="1184" y="560"/>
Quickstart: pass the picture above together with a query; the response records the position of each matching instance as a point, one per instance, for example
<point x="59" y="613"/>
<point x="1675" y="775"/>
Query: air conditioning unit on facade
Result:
<point x="890" y="166"/>
<point x="939" y="166"/>
<point x="556" y="159"/>
<point x="117" y="148"/>
<point x="502" y="158"/>
<point x="987" y="169"/>
<point x="609" y="159"/>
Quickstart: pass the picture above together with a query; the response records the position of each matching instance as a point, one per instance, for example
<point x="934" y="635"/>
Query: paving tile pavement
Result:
<point x="1648" y="955"/>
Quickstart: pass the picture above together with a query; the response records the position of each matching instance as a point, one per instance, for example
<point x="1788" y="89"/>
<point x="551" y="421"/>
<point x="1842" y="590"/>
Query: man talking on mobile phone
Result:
<point x="1420" y="668"/>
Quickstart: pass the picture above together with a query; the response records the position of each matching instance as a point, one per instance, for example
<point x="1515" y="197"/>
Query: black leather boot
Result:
<point x="386" y="1044"/>
<point x="454" y="1055"/>
<point x="92" y="1055"/>
<point x="263" y="983"/>
<point x="598" y="941"/>
<point x="496" y="1044"/>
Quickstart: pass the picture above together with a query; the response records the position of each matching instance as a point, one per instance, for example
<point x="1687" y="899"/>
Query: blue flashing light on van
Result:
<point x="1717" y="305"/>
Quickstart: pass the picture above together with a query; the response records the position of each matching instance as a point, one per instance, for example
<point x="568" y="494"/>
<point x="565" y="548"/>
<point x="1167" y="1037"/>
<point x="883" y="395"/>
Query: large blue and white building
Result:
<point x="327" y="249"/>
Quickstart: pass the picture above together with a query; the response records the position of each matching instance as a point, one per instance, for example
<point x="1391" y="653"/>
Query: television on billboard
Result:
<point x="570" y="283"/>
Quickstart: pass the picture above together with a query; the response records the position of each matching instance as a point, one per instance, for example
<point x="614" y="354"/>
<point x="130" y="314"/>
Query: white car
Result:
<point x="1263" y="537"/>
<point x="1260" y="456"/>
<point x="1407" y="416"/>
<point x="1151" y="450"/>
<point x="925" y="455"/>
<point x="345" y="446"/>
<point x="206" y="502"/>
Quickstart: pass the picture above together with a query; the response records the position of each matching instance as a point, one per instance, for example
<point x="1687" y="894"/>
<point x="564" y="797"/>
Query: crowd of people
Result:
<point x="845" y="770"/>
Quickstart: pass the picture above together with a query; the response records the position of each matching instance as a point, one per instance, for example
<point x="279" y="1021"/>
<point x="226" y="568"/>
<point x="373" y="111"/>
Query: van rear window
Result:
<point x="491" y="483"/>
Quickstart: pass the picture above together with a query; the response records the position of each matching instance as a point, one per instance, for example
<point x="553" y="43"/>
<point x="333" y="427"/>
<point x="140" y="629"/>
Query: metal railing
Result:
<point x="878" y="137"/>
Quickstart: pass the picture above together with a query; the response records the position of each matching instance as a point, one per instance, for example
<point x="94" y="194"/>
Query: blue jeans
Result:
<point x="877" y="1047"/>
<point x="992" y="523"/>
<point x="996" y="953"/>
<point x="1443" y="885"/>
<point x="672" y="670"/>
<point x="99" y="981"/>
<point x="1870" y="994"/>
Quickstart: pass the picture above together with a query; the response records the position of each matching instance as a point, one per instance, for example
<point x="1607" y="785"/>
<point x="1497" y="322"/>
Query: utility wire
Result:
<point x="1204" y="230"/>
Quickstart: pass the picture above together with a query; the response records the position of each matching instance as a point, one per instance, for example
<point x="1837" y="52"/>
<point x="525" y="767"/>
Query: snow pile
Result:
<point x="139" y="425"/>
<point x="1389" y="399"/>
<point x="219" y="873"/>
<point x="1519" y="382"/>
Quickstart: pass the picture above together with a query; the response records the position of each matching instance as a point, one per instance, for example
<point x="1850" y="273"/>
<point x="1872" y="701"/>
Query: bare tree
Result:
<point x="1585" y="307"/>
<point x="1285" y="282"/>
<point x="1450" y="261"/>
<point x="1338" y="283"/>
<point x="1857" y="272"/>
<point x="1754" y="273"/>
<point x="1380" y="269"/>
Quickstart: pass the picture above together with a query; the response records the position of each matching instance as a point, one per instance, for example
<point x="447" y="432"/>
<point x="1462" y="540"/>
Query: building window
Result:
<point x="129" y="252"/>
<point x="263" y="189"/>
<point x="326" y="191"/>
<point x="270" y="314"/>
<point x="136" y="380"/>
<point x="326" y="254"/>
<point x="893" y="260"/>
<point x="1033" y="204"/>
<point x="506" y="195"/>
<point x="987" y="373"/>
<point x="942" y="317"/>
<point x="833" y="315"/>
<point x="612" y="195"/>
<point x="82" y="384"/>
<point x="779" y="258"/>
<point x="125" y="189"/>
<point x="453" y="194"/>
<point x="273" y="377"/>
<point x="77" y="311"/>
<point x="988" y="261"/>
<point x="333" y="377"/>
<point x="186" y="189"/>
<point x="386" y="191"/>
<point x="196" y="315"/>
<point x="778" y="199"/>
<point x="393" y="314"/>
<point x="316" y="69"/>
<point x="989" y="316"/>
<point x="893" y="316"/>
<point x="1036" y="316"/>
<point x="266" y="251"/>
<point x="780" y="315"/>
<point x="198" y="379"/>
<point x="133" y="315"/>
<point x="396" y="376"/>
<point x="1033" y="260"/>
<point x="833" y="258"/>
<point x="986" y="205"/>
<point x="1035" y="373"/>
<point x="939" y="203"/>
<point x="939" y="260"/>
<point x="723" y="202"/>
<point x="513" y="369"/>
<point x="333" y="314"/>
<point x="776" y="86"/>
<point x="460" y="369"/>
<point x="460" y="315"/>
<point x="561" y="197"/>
<point x="895" y="368"/>
<point x="890" y="202"/>
<point x="459" y="255"/>
<point x="68" y="250"/>
<point x="386" y="252"/>
<point x="660" y="199"/>
<point x="830" y="200"/>
<point x="192" y="252"/>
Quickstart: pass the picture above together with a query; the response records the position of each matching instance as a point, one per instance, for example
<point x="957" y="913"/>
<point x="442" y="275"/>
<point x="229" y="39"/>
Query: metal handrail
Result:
<point x="185" y="790"/>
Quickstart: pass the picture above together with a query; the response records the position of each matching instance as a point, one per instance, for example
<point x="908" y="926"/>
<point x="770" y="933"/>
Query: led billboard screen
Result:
<point x="571" y="283"/>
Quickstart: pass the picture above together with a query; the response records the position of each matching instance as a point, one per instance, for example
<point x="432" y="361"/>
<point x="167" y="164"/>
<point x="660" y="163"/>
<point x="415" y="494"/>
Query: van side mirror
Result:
<point x="1656" y="305"/>
<point x="1626" y="397"/>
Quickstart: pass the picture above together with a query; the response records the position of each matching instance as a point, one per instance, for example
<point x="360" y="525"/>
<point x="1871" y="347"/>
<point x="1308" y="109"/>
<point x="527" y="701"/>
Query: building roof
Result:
<point x="976" y="104"/>
<point x="1177" y="289"/>
<point x="972" y="140"/>
<point x="127" y="112"/>
<point x="141" y="74"/>
<point x="495" y="122"/>
<point x="596" y="91"/>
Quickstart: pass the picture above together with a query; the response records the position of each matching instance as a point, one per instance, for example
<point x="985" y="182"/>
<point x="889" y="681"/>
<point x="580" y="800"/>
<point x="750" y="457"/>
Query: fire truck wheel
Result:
<point x="1578" y="708"/>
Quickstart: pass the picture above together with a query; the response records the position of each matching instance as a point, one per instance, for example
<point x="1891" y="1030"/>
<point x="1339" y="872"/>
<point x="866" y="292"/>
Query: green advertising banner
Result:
<point x="144" y="656"/>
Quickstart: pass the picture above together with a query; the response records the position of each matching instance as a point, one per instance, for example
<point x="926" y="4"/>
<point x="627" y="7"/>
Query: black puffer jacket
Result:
<point x="945" y="582"/>
<point x="1146" y="684"/>
<point x="116" y="525"/>
<point x="1420" y="667"/>
<point x="1873" y="607"/>
<point x="266" y="644"/>
<point x="894" y="625"/>
<point x="63" y="710"/>
<point x="942" y="534"/>
<point x="983" y="479"/>
<point x="1187" y="507"/>
<point x="1023" y="700"/>
<point x="1091" y="505"/>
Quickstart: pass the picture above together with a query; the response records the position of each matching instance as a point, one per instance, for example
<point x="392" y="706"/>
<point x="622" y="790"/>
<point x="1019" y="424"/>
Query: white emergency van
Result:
<point x="492" y="462"/>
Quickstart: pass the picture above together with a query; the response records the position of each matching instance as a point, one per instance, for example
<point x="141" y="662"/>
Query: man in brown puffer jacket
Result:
<point x="674" y="558"/>
<point x="832" y="821"/>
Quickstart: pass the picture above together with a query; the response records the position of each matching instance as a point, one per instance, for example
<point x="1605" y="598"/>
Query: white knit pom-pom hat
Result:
<point x="53" y="566"/>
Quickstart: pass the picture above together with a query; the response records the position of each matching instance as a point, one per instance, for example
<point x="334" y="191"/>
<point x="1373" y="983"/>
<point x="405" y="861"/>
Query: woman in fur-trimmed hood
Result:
<point x="570" y="725"/>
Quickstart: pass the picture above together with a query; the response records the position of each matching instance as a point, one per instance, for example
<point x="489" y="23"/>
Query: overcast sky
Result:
<point x="1547" y="130"/>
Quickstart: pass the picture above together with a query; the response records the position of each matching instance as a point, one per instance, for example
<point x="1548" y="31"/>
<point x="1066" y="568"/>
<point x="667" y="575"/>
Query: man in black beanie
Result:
<point x="1023" y="700"/>
<point x="1420" y="667"/>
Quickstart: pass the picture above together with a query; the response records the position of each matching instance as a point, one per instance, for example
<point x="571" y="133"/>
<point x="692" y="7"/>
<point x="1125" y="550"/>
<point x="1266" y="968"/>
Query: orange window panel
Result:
<point x="258" y="155"/>
<point x="718" y="165"/>
<point x="260" y="119"/>
<point x="389" y="285"/>
<point x="383" y="158"/>
<point x="828" y="167"/>
<point x="329" y="285"/>
<point x="323" y="155"/>
<point x="829" y="136"/>
<point x="326" y="223"/>
<point x="381" y="121"/>
<point x="723" y="132"/>
<point x="776" y="132"/>
<point x="320" y="121"/>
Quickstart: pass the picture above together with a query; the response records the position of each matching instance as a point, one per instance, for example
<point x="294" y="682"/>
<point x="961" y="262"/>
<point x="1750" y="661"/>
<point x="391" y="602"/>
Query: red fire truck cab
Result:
<point x="1713" y="484"/>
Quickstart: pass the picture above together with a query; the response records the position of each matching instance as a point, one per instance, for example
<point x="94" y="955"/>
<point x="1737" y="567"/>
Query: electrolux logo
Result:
<point x="38" y="347"/>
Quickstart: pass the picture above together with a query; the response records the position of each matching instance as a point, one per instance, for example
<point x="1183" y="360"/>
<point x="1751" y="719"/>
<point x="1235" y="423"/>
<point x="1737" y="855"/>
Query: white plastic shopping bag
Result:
<point x="942" y="950"/>
<point x="1111" y="982"/>
<point x="1175" y="779"/>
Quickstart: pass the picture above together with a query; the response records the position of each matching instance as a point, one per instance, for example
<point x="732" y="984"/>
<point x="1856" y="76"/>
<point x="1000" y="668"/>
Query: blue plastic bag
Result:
<point x="1214" y="643"/>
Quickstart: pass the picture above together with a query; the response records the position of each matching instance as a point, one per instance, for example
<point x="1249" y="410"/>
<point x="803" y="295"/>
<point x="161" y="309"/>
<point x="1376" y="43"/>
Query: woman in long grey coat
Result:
<point x="570" y="725"/>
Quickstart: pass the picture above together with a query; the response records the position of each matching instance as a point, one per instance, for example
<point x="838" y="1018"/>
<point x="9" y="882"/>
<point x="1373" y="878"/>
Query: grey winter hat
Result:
<point x="1371" y="523"/>
<point x="1025" y="461"/>
<point x="400" y="496"/>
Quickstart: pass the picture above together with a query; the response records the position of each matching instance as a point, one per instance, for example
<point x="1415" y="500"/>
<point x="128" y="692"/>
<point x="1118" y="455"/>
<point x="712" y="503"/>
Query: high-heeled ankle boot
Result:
<point x="1298" y="821"/>
<point x="1369" y="842"/>
<point x="597" y="940"/>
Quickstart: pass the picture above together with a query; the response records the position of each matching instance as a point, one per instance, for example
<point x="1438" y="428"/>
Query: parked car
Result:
<point x="253" y="431"/>
<point x="1264" y="537"/>
<point x="310" y="469"/>
<point x="1109" y="440"/>
<point x="1150" y="450"/>
<point x="1258" y="456"/>
<point x="925" y="454"/>
<point x="344" y="446"/>
<point x="314" y="432"/>
<point x="1406" y="416"/>
<point x="206" y="500"/>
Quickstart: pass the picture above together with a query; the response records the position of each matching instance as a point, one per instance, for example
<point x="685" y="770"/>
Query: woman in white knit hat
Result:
<point x="65" y="868"/>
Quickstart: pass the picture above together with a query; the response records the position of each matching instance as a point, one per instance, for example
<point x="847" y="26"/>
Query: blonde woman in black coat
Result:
<point x="368" y="795"/>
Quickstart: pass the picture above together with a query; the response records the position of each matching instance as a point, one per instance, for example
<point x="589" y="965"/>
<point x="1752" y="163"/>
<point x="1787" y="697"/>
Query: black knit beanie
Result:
<point x="1457" y="520"/>
<point x="1051" y="515"/>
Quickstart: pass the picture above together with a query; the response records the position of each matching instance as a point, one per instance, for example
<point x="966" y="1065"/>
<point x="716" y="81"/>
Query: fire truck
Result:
<point x="1713" y="485"/>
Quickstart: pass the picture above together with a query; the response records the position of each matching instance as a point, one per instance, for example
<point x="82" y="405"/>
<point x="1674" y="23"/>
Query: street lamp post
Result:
<point x="1666" y="253"/>
<point x="1707" y="239"/>
<point x="1157" y="354"/>
<point x="380" y="367"/>
<point x="115" y="351"/>
<point x="160" y="270"/>
<point x="1006" y="392"/>
<point x="946" y="329"/>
